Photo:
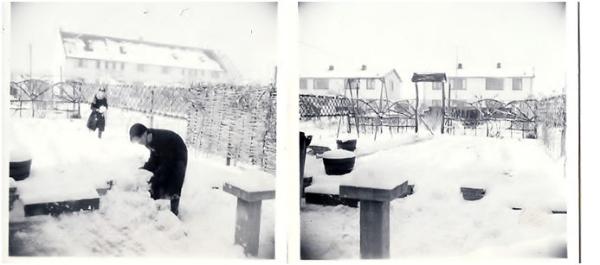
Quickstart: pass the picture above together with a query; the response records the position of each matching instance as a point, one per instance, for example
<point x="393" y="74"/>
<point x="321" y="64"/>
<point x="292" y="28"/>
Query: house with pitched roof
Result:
<point x="471" y="84"/>
<point x="104" y="59"/>
<point x="368" y="83"/>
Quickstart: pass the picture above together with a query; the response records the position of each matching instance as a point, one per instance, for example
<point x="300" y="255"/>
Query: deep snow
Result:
<point x="68" y="158"/>
<point x="435" y="220"/>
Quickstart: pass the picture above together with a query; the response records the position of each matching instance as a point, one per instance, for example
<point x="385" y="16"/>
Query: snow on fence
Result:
<point x="236" y="122"/>
<point x="552" y="123"/>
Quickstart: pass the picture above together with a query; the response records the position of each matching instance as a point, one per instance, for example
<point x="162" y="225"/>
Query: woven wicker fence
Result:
<point x="238" y="122"/>
<point x="552" y="123"/>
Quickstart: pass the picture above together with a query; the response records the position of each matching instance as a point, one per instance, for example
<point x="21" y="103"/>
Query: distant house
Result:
<point x="469" y="85"/>
<point x="95" y="58"/>
<point x="369" y="83"/>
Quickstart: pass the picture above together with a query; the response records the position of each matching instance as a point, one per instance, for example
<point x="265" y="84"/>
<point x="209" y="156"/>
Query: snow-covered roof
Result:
<point x="352" y="73"/>
<point x="493" y="72"/>
<point x="89" y="46"/>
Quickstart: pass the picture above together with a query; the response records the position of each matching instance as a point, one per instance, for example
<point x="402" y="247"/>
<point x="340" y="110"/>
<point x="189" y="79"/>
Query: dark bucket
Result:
<point x="20" y="170"/>
<point x="338" y="166"/>
<point x="349" y="145"/>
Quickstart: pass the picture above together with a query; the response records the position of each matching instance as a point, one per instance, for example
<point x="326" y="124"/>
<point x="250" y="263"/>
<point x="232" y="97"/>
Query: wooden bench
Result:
<point x="374" y="205"/>
<point x="248" y="212"/>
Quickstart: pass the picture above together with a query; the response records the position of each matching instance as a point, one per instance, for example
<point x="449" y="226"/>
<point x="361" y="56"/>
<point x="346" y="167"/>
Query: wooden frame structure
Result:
<point x="433" y="78"/>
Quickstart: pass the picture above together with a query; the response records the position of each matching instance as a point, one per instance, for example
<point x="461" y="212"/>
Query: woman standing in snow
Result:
<point x="97" y="119"/>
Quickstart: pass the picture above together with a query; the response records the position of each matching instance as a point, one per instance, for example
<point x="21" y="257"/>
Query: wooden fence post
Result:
<point x="443" y="105"/>
<point x="416" y="108"/>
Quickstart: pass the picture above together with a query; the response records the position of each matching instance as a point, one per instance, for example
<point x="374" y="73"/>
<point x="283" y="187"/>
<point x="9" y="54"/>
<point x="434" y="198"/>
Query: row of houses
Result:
<point x="467" y="85"/>
<point x="104" y="59"/>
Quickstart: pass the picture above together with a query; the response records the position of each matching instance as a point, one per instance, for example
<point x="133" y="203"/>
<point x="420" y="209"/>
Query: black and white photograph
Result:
<point x="141" y="129"/>
<point x="433" y="129"/>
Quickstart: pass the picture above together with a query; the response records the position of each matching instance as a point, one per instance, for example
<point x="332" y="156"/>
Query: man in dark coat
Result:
<point x="168" y="162"/>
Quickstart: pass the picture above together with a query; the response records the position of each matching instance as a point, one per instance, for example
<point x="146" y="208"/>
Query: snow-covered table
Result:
<point x="250" y="190"/>
<point x="374" y="195"/>
<point x="46" y="196"/>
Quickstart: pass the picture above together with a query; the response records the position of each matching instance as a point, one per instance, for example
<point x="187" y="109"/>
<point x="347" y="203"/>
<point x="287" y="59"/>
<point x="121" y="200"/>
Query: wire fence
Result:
<point x="543" y="119"/>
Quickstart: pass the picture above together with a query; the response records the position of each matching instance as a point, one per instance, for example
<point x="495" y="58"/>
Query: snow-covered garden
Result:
<point x="70" y="162"/>
<point x="522" y="213"/>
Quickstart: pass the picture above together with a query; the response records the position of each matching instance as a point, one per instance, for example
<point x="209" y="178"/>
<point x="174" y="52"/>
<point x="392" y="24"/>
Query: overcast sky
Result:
<point x="432" y="36"/>
<point x="245" y="32"/>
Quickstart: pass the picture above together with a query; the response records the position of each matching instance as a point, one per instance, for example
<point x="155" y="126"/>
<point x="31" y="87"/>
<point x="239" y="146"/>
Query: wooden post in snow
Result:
<point x="375" y="216"/>
<point x="417" y="108"/>
<point x="443" y="105"/>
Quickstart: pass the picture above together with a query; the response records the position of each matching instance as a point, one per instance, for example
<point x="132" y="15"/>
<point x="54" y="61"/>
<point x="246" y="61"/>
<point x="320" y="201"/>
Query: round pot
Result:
<point x="20" y="170"/>
<point x="338" y="166"/>
<point x="338" y="162"/>
<point x="349" y="145"/>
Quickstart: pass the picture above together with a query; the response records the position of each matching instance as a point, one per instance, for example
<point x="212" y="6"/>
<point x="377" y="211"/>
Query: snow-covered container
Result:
<point x="338" y="162"/>
<point x="20" y="163"/>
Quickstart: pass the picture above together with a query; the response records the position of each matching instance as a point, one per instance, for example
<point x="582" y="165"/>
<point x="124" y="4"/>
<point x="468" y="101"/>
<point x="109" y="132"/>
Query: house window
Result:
<point x="436" y="85"/>
<point x="303" y="84"/>
<point x="459" y="84"/>
<point x="87" y="46"/>
<point x="80" y="63"/>
<point x="98" y="63"/>
<point x="165" y="70"/>
<point x="371" y="83"/>
<point x="321" y="83"/>
<point x="494" y="83"/>
<point x="122" y="66"/>
<point x="140" y="68"/>
<point x="106" y="65"/>
<point x="517" y="84"/>
<point x="114" y="65"/>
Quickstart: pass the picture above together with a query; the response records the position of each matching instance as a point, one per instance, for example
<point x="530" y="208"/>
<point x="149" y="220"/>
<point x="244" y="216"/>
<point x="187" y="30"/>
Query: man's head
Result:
<point x="138" y="134"/>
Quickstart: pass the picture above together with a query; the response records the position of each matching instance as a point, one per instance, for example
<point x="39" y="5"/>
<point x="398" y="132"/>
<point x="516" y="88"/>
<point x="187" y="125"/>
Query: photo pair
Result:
<point x="289" y="132"/>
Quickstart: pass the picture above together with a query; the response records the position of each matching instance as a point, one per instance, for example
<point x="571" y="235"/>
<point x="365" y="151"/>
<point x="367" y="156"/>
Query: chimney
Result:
<point x="331" y="68"/>
<point x="459" y="66"/>
<point x="363" y="67"/>
<point x="498" y="65"/>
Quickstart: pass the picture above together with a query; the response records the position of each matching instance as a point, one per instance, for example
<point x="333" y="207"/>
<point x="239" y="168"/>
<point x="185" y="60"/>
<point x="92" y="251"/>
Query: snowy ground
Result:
<point x="435" y="220"/>
<point x="67" y="156"/>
